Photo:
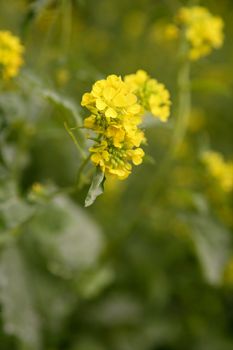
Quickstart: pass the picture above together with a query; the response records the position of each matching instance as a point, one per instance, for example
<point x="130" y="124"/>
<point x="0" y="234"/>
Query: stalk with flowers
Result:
<point x="117" y="108"/>
<point x="198" y="32"/>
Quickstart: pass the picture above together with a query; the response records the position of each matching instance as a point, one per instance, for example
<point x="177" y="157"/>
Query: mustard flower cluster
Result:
<point x="202" y="30"/>
<point x="116" y="113"/>
<point x="11" y="51"/>
<point x="221" y="170"/>
<point x="152" y="95"/>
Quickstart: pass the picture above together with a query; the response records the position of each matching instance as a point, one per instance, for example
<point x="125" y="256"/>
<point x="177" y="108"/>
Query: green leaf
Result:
<point x="212" y="244"/>
<point x="13" y="108"/>
<point x="66" y="237"/>
<point x="63" y="102"/>
<point x="20" y="317"/>
<point x="14" y="211"/>
<point x="96" y="188"/>
<point x="34" y="10"/>
<point x="51" y="290"/>
<point x="93" y="282"/>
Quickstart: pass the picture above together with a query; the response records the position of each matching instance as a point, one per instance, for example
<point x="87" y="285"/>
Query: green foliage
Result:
<point x="18" y="310"/>
<point x="42" y="266"/>
<point x="63" y="103"/>
<point x="212" y="243"/>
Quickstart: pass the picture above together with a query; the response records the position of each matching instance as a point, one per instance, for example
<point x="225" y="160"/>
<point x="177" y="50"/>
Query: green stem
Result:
<point x="81" y="168"/>
<point x="69" y="131"/>
<point x="66" y="9"/>
<point x="157" y="188"/>
<point x="184" y="106"/>
<point x="39" y="60"/>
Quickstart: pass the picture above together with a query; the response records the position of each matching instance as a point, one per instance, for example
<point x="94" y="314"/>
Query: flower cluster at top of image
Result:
<point x="201" y="30"/>
<point x="220" y="169"/>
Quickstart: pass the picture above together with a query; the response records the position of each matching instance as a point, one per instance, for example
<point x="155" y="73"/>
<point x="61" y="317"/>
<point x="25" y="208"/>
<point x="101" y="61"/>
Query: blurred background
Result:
<point x="150" y="265"/>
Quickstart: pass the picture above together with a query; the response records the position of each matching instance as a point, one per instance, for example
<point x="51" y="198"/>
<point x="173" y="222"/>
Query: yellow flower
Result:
<point x="136" y="155"/>
<point x="117" y="133"/>
<point x="219" y="169"/>
<point x="134" y="138"/>
<point x="89" y="122"/>
<point x="136" y="80"/>
<point x="111" y="98"/>
<point x="202" y="30"/>
<point x="171" y="32"/>
<point x="115" y="161"/>
<point x="100" y="154"/>
<point x="153" y="96"/>
<point x="116" y="108"/>
<point x="11" y="52"/>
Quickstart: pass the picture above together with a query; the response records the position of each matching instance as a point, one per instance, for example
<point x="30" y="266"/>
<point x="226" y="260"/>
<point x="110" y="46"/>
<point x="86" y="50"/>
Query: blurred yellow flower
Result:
<point x="202" y="30"/>
<point x="62" y="76"/>
<point x="11" y="51"/>
<point x="37" y="188"/>
<point x="171" y="31"/>
<point x="152" y="95"/>
<point x="219" y="169"/>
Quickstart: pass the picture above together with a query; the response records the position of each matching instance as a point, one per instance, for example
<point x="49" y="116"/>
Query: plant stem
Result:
<point x="184" y="104"/>
<point x="82" y="166"/>
<point x="66" y="12"/>
<point x="69" y="131"/>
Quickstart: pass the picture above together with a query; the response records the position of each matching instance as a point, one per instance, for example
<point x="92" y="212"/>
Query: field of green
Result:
<point x="116" y="206"/>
